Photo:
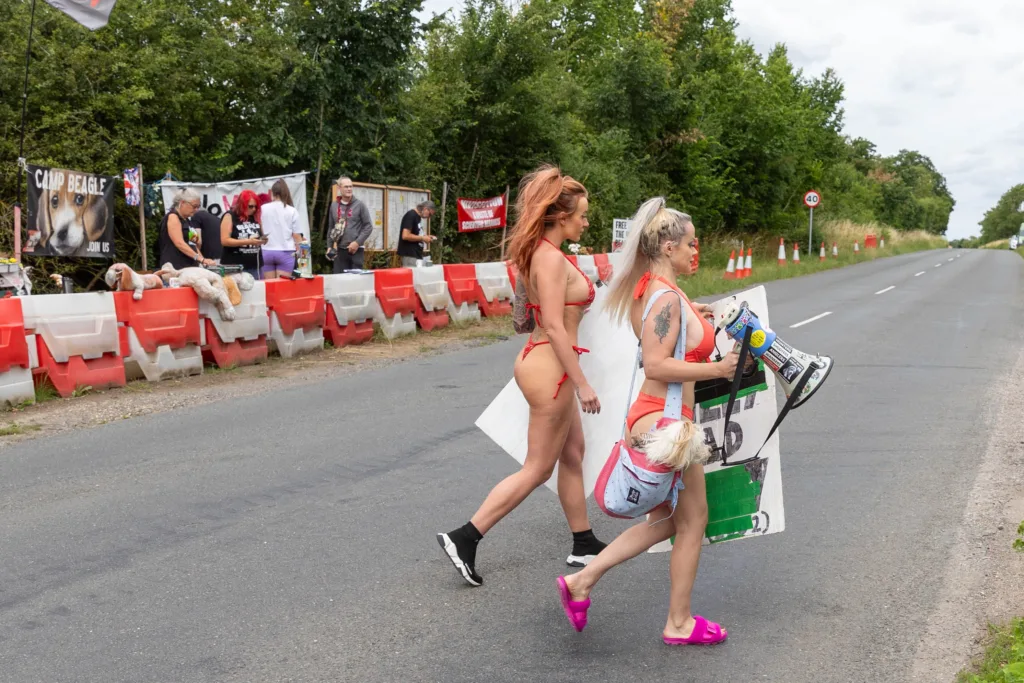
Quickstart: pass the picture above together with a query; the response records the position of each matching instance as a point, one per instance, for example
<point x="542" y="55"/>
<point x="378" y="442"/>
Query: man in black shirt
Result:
<point x="410" y="242"/>
<point x="208" y="227"/>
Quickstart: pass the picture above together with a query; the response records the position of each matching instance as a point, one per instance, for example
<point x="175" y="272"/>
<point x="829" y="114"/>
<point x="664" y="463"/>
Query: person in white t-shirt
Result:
<point x="281" y="226"/>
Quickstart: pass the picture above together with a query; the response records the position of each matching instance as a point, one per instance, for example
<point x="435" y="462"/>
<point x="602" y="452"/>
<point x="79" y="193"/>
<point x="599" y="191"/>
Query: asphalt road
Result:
<point x="290" y="536"/>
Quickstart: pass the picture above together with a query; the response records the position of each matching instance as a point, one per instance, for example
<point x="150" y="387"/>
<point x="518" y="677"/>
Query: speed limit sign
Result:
<point x="812" y="199"/>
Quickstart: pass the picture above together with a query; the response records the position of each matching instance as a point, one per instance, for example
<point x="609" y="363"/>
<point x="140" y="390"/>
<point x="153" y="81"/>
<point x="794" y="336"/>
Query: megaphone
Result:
<point x="789" y="365"/>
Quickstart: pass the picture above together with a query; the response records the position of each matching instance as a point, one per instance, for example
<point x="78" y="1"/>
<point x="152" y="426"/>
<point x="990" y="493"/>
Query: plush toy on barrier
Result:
<point x="209" y="286"/>
<point x="121" y="277"/>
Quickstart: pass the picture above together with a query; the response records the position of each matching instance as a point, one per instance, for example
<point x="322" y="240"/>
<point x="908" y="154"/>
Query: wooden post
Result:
<point x="142" y="219"/>
<point x="440" y="231"/>
<point x="504" y="228"/>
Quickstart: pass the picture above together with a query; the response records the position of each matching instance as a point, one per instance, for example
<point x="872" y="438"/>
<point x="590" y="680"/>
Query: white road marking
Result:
<point x="810" y="320"/>
<point x="919" y="274"/>
<point x="883" y="291"/>
<point x="938" y="265"/>
<point x="950" y="260"/>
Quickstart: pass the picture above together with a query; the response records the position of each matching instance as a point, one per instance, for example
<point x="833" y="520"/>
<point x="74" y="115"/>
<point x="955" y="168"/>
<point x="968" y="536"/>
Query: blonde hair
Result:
<point x="651" y="226"/>
<point x="677" y="446"/>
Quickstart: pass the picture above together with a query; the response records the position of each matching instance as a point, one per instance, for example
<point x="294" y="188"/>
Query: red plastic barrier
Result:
<point x="395" y="291"/>
<point x="430" y="320"/>
<point x="345" y="335"/>
<point x="299" y="304"/>
<point x="13" y="347"/>
<point x="494" y="309"/>
<point x="231" y="354"/>
<point x="97" y="373"/>
<point x="870" y="242"/>
<point x="604" y="267"/>
<point x="163" y="317"/>
<point x="513" y="272"/>
<point x="461" y="280"/>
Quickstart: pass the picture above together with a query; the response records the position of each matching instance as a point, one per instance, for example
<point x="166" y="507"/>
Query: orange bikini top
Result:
<point x="702" y="352"/>
<point x="590" y="288"/>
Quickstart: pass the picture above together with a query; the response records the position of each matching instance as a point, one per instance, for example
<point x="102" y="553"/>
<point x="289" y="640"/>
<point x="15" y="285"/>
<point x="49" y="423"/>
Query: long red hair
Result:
<point x="544" y="197"/>
<point x="241" y="207"/>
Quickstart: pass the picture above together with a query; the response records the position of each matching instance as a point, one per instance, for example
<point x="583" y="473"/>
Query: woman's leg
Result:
<point x="545" y="439"/>
<point x="691" y="519"/>
<point x="637" y="539"/>
<point x="570" y="476"/>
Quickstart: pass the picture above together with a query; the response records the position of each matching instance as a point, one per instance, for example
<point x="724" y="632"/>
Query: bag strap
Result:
<point x="797" y="390"/>
<point x="674" y="394"/>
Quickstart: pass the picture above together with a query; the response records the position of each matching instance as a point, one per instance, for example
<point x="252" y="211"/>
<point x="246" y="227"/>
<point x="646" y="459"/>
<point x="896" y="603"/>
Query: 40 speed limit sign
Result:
<point x="812" y="199"/>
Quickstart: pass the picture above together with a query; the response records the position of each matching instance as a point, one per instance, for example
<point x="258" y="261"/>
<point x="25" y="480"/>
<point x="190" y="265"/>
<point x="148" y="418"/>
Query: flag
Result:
<point x="92" y="14"/>
<point x="481" y="214"/>
<point x="131" y="186"/>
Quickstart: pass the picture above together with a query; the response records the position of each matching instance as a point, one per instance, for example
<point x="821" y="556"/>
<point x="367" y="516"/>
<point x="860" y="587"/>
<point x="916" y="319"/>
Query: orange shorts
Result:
<point x="646" y="404"/>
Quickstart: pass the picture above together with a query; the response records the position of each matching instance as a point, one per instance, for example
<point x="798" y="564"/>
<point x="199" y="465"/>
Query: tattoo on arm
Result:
<point x="661" y="322"/>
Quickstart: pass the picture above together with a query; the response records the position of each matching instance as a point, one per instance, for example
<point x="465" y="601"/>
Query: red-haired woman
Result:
<point x="241" y="234"/>
<point x="551" y="209"/>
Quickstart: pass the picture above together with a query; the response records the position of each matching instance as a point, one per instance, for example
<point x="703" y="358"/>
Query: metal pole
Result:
<point x="810" y="232"/>
<point x="142" y="218"/>
<point x="440" y="230"/>
<point x="21" y="144"/>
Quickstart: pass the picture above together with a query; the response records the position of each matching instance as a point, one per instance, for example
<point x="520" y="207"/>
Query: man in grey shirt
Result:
<point x="350" y="228"/>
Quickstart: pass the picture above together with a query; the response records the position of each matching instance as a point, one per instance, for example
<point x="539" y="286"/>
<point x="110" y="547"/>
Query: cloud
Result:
<point x="944" y="77"/>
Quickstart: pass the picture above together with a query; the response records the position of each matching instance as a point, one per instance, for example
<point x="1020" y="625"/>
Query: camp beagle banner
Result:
<point x="70" y="213"/>
<point x="218" y="198"/>
<point x="481" y="214"/>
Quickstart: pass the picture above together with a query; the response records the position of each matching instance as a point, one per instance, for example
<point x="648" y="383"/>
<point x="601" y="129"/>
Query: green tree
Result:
<point x="1005" y="218"/>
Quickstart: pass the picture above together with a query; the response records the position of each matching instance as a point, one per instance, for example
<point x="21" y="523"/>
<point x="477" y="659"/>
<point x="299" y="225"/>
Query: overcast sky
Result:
<point x="944" y="77"/>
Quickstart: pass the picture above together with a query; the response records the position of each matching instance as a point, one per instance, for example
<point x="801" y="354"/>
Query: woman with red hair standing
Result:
<point x="551" y="209"/>
<point x="241" y="234"/>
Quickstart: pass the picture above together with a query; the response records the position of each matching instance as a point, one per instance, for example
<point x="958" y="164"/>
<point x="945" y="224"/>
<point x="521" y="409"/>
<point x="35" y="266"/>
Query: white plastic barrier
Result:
<point x="615" y="258"/>
<point x="16" y="387"/>
<point x="585" y="262"/>
<point x="351" y="296"/>
<point x="299" y="341"/>
<point x="82" y="324"/>
<point x="431" y="287"/>
<point x="464" y="313"/>
<point x="397" y="326"/>
<point x="164" y="363"/>
<point x="494" y="282"/>
<point x="251" y="319"/>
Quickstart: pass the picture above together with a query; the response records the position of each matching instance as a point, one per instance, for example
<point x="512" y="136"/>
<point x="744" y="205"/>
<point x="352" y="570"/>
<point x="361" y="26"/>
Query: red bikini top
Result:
<point x="702" y="352"/>
<point x="590" y="287"/>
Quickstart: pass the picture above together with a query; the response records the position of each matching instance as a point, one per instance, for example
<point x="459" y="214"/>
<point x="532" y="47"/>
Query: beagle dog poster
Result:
<point x="70" y="213"/>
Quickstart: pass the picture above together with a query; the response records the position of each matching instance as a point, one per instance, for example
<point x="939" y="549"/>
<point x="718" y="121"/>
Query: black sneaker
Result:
<point x="461" y="558"/>
<point x="583" y="552"/>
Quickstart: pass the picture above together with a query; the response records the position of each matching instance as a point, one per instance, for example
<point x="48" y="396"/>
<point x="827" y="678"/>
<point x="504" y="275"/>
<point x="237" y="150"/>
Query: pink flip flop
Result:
<point x="704" y="633"/>
<point x="575" y="610"/>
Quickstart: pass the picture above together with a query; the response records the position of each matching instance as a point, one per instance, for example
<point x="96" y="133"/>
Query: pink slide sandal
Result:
<point x="704" y="633"/>
<point x="575" y="610"/>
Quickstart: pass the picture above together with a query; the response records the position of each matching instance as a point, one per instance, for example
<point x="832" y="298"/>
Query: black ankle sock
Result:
<point x="470" y="533"/>
<point x="466" y="538"/>
<point x="586" y="543"/>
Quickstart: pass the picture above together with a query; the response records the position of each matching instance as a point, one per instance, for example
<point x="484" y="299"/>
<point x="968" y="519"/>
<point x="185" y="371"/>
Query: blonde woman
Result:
<point x="660" y="249"/>
<point x="551" y="208"/>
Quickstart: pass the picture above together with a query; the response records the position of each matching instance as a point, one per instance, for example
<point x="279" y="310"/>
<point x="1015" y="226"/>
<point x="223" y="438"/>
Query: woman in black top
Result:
<point x="172" y="243"/>
<point x="241" y="234"/>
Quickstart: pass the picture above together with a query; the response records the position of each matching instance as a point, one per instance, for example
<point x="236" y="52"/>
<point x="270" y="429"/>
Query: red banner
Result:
<point x="481" y="214"/>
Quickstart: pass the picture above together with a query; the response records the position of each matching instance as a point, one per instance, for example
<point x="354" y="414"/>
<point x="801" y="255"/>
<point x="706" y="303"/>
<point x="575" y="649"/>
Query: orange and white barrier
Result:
<point x="748" y="267"/>
<point x="856" y="248"/>
<point x="351" y="303"/>
<point x="297" y="315"/>
<point x="160" y="337"/>
<point x="495" y="289"/>
<point x="76" y="340"/>
<point x="782" y="251"/>
<point x="16" y="384"/>
<point x="242" y="341"/>
<point x="432" y="297"/>
<point x="821" y="256"/>
<point x="835" y="250"/>
<point x="796" y="252"/>
<point x="396" y="296"/>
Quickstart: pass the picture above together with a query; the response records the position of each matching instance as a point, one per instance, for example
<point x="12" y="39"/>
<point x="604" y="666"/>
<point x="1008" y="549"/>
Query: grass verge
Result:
<point x="1003" y="658"/>
<point x="765" y="267"/>
<point x="15" y="428"/>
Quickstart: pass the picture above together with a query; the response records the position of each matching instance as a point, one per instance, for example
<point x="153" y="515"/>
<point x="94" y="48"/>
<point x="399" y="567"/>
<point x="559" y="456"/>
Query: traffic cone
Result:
<point x="740" y="272"/>
<point x="796" y="252"/>
<point x="835" y="250"/>
<point x="747" y="266"/>
<point x="822" y="255"/>
<point x="856" y="248"/>
<point x="782" y="251"/>
<point x="883" y="243"/>
<point x="730" y="270"/>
